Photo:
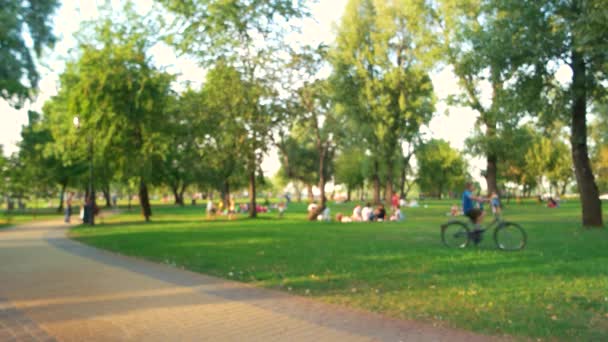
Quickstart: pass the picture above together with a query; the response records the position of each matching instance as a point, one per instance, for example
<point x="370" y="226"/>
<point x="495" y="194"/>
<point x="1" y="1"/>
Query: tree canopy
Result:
<point x="20" y="22"/>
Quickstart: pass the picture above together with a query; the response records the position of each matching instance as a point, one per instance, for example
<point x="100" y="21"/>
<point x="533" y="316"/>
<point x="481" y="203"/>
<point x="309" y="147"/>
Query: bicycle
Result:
<point x="508" y="236"/>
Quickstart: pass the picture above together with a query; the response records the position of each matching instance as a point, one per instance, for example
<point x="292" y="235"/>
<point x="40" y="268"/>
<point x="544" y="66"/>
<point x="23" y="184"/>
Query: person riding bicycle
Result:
<point x="475" y="214"/>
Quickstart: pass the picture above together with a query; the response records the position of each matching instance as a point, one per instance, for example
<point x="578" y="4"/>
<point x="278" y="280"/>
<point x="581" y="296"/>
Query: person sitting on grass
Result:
<point x="397" y="215"/>
<point x="325" y="215"/>
<point x="379" y="213"/>
<point x="455" y="210"/>
<point x="312" y="211"/>
<point x="281" y="208"/>
<point x="220" y="207"/>
<point x="231" y="208"/>
<point x="357" y="214"/>
<point x="342" y="218"/>
<point x="366" y="213"/>
<point x="210" y="209"/>
<point x="475" y="214"/>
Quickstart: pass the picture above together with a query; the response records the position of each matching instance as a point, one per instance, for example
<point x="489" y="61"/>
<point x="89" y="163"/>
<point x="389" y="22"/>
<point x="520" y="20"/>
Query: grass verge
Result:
<point x="556" y="289"/>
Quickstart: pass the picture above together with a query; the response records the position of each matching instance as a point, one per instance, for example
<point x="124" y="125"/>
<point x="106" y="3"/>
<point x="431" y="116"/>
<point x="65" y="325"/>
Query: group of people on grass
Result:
<point x="367" y="213"/>
<point x="233" y="208"/>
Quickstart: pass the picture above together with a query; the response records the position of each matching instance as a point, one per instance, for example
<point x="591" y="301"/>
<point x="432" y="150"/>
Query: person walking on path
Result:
<point x="68" y="207"/>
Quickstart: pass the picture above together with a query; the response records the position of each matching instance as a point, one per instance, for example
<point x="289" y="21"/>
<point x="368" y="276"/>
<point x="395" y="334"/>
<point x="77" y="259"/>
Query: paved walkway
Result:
<point x="55" y="289"/>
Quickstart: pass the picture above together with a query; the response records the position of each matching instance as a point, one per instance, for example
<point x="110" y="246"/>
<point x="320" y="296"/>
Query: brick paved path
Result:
<point x="52" y="288"/>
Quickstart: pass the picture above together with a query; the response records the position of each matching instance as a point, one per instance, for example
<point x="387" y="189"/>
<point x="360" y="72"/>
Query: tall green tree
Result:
<point x="248" y="36"/>
<point x="534" y="37"/>
<point x="468" y="49"/>
<point x="315" y="113"/>
<point x="45" y="169"/>
<point x="299" y="159"/>
<point x="20" y="20"/>
<point x="514" y="169"/>
<point x="351" y="169"/>
<point x="441" y="169"/>
<point x="120" y="97"/>
<point x="186" y="125"/>
<point x="381" y="59"/>
<point x="225" y="97"/>
<point x="3" y="175"/>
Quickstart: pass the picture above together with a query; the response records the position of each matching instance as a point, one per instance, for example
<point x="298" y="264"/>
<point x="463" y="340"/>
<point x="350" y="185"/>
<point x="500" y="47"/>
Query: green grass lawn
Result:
<point x="14" y="217"/>
<point x="556" y="289"/>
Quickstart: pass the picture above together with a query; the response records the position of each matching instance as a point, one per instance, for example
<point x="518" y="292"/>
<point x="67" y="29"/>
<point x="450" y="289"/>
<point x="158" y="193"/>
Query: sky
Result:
<point x="450" y="123"/>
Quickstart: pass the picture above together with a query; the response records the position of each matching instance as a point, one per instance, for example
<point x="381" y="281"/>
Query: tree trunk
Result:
<point x="402" y="182"/>
<point x="564" y="188"/>
<point x="322" y="198"/>
<point x="491" y="173"/>
<point x="407" y="189"/>
<point x="388" y="192"/>
<point x="311" y="196"/>
<point x="226" y="194"/>
<point x="489" y="121"/>
<point x="376" y="180"/>
<point x="298" y="191"/>
<point x="348" y="193"/>
<point x="299" y="197"/>
<point x="181" y="193"/>
<point x="61" y="196"/>
<point x="589" y="194"/>
<point x="108" y="198"/>
<point x="144" y="200"/>
<point x="178" y="200"/>
<point x="253" y="213"/>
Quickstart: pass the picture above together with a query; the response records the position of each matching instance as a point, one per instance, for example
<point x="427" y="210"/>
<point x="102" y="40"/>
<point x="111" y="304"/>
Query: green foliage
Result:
<point x="4" y="184"/>
<point x="441" y="169"/>
<point x="218" y="29"/>
<point x="381" y="59"/>
<point x="119" y="97"/>
<point x="471" y="51"/>
<point x="514" y="167"/>
<point x="43" y="168"/>
<point x="299" y="158"/>
<point x="351" y="168"/>
<point x="19" y="22"/>
<point x="225" y="99"/>
<point x="540" y="36"/>
<point x="226" y="32"/>
<point x="182" y="161"/>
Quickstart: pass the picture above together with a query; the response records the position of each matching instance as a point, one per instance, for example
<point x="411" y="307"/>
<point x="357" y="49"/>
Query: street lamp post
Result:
<point x="91" y="204"/>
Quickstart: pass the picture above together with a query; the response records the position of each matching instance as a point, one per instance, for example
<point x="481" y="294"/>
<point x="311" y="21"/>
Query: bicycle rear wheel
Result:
<point x="510" y="236"/>
<point x="455" y="234"/>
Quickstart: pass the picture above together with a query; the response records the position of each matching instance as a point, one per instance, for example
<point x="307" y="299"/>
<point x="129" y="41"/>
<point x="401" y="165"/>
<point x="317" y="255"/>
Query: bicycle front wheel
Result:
<point x="455" y="234"/>
<point x="510" y="237"/>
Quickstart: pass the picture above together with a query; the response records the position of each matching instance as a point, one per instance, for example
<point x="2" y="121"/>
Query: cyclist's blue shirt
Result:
<point x="467" y="201"/>
<point x="495" y="202"/>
